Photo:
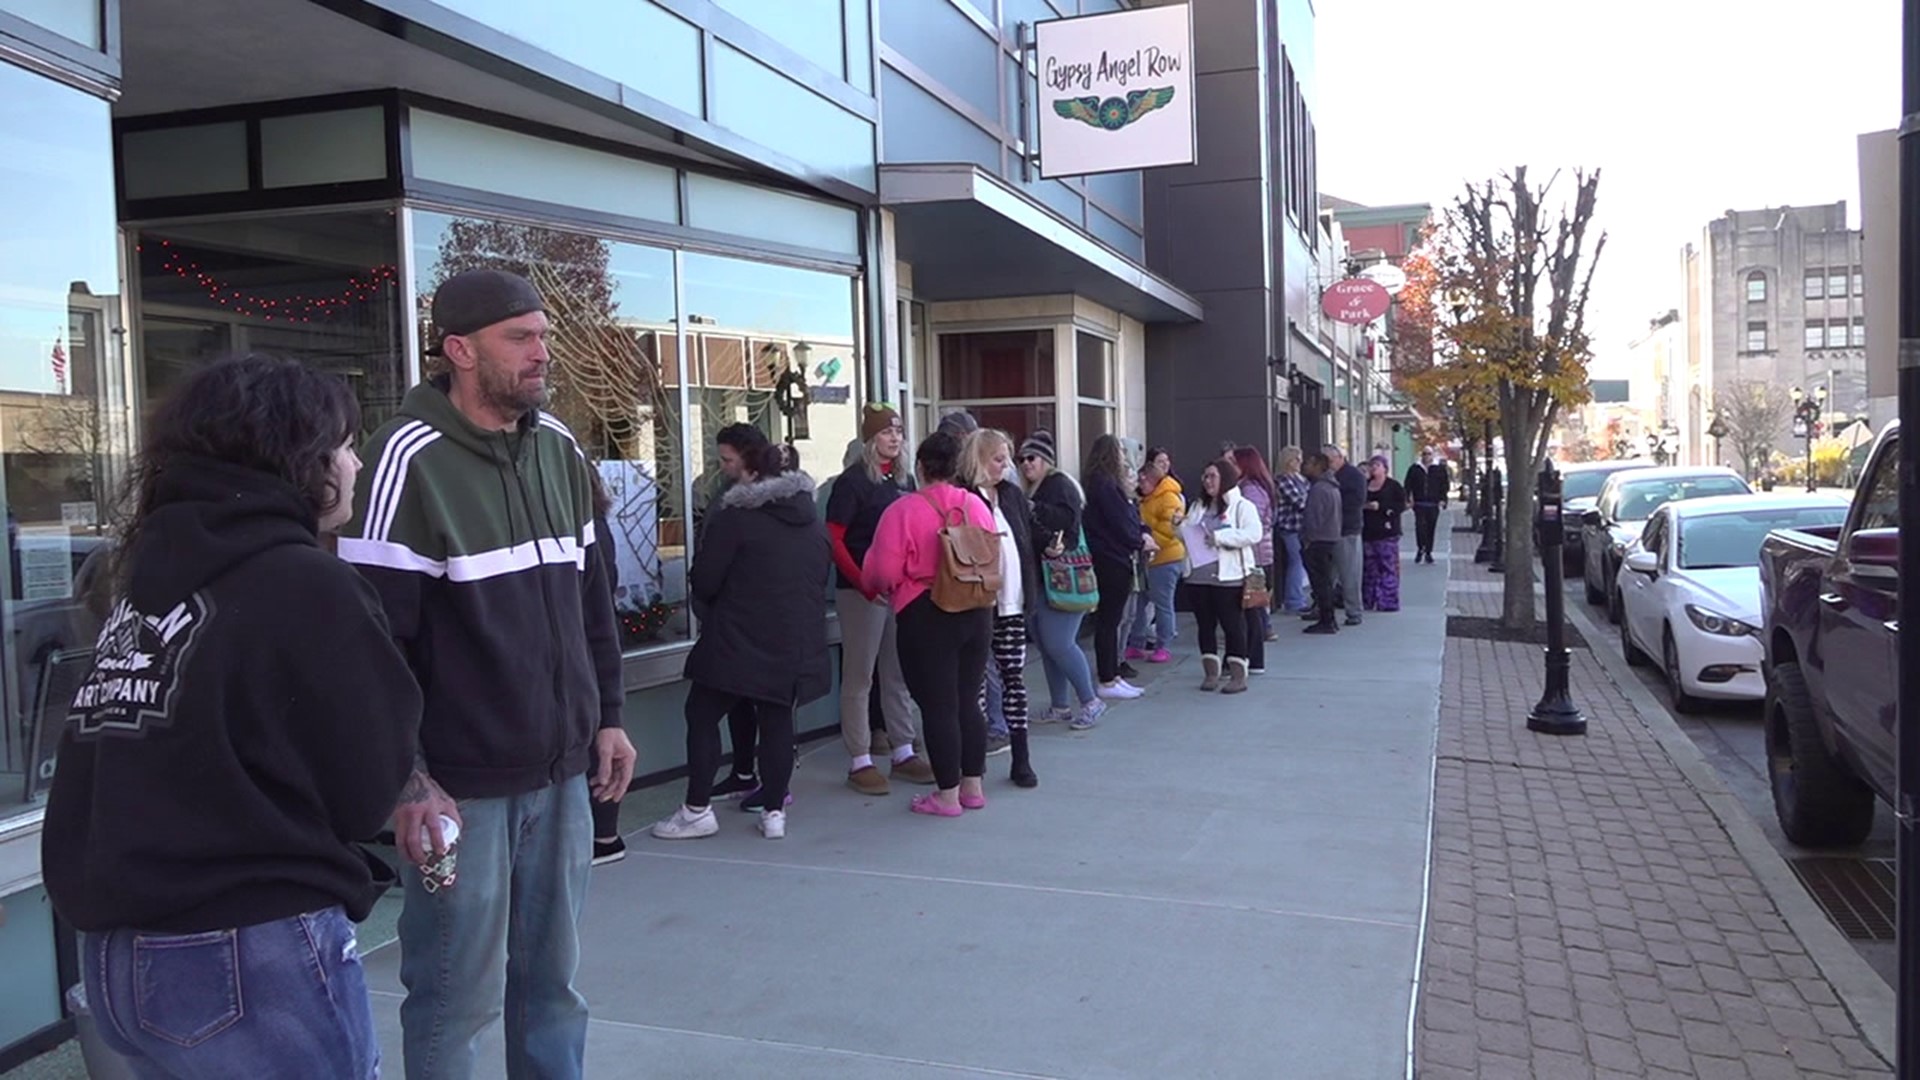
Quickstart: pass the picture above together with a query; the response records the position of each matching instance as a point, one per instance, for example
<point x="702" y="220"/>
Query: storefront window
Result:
<point x="1004" y="377"/>
<point x="320" y="288"/>
<point x="616" y="384"/>
<point x="63" y="409"/>
<point x="760" y="335"/>
<point x="1093" y="358"/>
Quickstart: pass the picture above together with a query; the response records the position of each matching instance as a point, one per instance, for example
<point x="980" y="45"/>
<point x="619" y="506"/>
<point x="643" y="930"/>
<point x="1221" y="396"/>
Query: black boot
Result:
<point x="1022" y="771"/>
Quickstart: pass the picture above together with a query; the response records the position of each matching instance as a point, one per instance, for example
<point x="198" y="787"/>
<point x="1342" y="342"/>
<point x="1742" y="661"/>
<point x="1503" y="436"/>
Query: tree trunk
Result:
<point x="1520" y="427"/>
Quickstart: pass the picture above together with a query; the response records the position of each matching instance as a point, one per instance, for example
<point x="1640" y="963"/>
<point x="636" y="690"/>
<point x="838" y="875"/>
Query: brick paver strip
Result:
<point x="1588" y="915"/>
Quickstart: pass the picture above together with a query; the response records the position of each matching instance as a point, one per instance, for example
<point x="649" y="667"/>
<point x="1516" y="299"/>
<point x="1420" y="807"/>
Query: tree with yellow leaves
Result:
<point x="1515" y="271"/>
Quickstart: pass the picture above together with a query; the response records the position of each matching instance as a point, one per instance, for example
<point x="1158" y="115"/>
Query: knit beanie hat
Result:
<point x="1040" y="443"/>
<point x="879" y="416"/>
<point x="959" y="423"/>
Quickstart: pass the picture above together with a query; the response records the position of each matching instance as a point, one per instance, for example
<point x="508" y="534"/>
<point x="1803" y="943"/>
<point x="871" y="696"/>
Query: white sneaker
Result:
<point x="773" y="824"/>
<point x="1118" y="690"/>
<point x="1138" y="690"/>
<point x="687" y="824"/>
<point x="1089" y="715"/>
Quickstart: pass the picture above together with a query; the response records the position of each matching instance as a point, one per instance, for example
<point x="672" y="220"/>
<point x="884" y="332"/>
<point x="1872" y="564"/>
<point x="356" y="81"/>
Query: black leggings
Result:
<point x="1217" y="608"/>
<point x="943" y="655"/>
<point x="705" y="707"/>
<point x="743" y="723"/>
<point x="1116" y="590"/>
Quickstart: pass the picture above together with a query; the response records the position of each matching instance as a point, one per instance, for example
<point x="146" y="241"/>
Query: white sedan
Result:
<point x="1690" y="590"/>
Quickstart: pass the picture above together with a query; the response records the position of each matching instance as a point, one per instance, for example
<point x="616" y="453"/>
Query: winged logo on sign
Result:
<point x="1114" y="113"/>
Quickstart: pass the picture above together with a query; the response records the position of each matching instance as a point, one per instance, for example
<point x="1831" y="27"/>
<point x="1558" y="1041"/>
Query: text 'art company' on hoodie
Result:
<point x="246" y="722"/>
<point x="480" y="545"/>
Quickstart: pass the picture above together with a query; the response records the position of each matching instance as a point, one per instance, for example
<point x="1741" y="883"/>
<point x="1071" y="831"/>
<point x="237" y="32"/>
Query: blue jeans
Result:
<point x="996" y="701"/>
<point x="1157" y="600"/>
<point x="1058" y="635"/>
<point x="282" y="998"/>
<point x="1294" y="598"/>
<point x="505" y="932"/>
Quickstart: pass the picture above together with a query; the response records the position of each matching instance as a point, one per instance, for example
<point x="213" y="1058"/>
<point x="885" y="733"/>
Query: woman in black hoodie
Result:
<point x="756" y="588"/>
<point x="247" y="721"/>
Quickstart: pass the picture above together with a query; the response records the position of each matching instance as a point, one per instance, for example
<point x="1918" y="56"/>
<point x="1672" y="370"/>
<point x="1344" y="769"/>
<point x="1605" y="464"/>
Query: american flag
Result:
<point x="60" y="366"/>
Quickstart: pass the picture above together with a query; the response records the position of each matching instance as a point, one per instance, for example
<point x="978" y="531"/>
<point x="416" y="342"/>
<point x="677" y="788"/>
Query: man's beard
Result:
<point x="506" y="392"/>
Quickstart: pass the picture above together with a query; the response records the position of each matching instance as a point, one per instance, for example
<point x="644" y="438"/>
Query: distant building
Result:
<point x="1782" y="299"/>
<point x="1880" y="251"/>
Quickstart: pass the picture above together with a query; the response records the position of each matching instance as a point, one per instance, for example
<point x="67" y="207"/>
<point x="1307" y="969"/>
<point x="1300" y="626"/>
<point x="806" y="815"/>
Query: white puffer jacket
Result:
<point x="1237" y="541"/>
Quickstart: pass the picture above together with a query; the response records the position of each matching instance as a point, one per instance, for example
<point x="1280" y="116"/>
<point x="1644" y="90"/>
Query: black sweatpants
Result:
<point x="705" y="708"/>
<point x="1426" y="516"/>
<point x="1322" y="558"/>
<point x="1116" y="591"/>
<point x="1217" y="609"/>
<point x="943" y="655"/>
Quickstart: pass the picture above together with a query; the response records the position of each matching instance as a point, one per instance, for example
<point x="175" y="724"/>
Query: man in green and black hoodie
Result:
<point x="474" y="521"/>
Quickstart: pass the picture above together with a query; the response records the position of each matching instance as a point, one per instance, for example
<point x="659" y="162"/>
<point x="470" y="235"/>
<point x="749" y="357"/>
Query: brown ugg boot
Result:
<point x="1211" y="666"/>
<point x="1236" y="676"/>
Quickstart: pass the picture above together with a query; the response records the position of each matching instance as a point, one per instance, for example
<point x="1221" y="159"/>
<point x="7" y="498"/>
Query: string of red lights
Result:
<point x="293" y="309"/>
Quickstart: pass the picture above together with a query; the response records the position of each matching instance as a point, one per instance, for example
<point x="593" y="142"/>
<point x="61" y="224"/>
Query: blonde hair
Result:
<point x="876" y="465"/>
<point x="976" y="457"/>
<point x="1290" y="459"/>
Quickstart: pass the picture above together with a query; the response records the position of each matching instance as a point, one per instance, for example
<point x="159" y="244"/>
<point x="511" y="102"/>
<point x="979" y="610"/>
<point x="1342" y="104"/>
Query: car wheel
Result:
<point x="1819" y="801"/>
<point x="1596" y="597"/>
<point x="1635" y="658"/>
<point x="1683" y="702"/>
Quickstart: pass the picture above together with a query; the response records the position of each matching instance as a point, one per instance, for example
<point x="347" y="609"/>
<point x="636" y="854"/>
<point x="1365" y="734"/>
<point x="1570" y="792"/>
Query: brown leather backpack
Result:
<point x="967" y="577"/>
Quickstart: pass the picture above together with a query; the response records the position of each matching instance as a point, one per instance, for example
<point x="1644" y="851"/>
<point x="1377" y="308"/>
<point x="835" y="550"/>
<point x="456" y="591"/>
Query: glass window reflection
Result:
<point x="63" y="410"/>
<point x="616" y="379"/>
<point x="759" y="335"/>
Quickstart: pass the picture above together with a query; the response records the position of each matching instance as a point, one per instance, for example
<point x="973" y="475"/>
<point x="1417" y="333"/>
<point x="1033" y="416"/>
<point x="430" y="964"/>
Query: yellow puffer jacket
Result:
<point x="1161" y="512"/>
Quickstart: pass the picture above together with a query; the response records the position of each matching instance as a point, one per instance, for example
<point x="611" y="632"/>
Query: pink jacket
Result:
<point x="906" y="547"/>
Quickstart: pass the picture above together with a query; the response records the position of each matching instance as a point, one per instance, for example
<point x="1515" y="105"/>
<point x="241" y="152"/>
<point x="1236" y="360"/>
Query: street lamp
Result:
<point x="1717" y="430"/>
<point x="1806" y="419"/>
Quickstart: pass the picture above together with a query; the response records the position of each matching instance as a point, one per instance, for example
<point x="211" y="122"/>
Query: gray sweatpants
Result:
<point x="1349" y="570"/>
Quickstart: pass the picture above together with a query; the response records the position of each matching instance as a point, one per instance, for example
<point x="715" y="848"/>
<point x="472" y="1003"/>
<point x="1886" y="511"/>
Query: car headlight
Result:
<point x="1713" y="622"/>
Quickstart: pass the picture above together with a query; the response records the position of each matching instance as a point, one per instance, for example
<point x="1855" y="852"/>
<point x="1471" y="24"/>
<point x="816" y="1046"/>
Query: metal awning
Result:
<point x="970" y="236"/>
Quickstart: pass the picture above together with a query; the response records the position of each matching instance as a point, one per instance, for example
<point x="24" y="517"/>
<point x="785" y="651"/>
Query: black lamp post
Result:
<point x="1806" y="419"/>
<point x="1555" y="714"/>
<point x="1484" y="553"/>
<point x="1907" y="696"/>
<point x="1717" y="431"/>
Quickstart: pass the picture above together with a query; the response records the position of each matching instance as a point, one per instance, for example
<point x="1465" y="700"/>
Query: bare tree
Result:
<point x="1522" y="269"/>
<point x="1754" y="410"/>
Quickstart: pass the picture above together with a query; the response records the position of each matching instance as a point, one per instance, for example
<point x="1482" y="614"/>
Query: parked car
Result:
<point x="1580" y="486"/>
<point x="1690" y="590"/>
<point x="1626" y="501"/>
<point x="1830" y="597"/>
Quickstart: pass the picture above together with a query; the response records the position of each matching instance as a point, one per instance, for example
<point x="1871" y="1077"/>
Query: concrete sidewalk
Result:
<point x="1203" y="886"/>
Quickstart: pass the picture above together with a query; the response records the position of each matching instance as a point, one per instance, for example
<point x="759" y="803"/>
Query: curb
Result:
<point x="1864" y="994"/>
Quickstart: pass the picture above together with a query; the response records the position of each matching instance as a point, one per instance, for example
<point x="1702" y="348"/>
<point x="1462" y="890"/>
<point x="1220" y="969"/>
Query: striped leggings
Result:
<point x="1006" y="673"/>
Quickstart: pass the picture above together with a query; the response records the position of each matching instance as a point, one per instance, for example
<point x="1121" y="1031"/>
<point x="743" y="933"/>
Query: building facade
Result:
<point x="1880" y="257"/>
<point x="717" y="197"/>
<point x="1782" y="300"/>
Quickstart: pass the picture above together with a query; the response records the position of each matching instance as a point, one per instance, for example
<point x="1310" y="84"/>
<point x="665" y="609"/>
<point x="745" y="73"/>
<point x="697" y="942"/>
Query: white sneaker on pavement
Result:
<point x="688" y="824"/>
<point x="1118" y="690"/>
<point x="773" y="824"/>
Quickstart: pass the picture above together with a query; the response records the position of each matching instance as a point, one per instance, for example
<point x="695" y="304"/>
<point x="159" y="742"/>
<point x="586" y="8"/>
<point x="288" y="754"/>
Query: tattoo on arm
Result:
<point x="418" y="790"/>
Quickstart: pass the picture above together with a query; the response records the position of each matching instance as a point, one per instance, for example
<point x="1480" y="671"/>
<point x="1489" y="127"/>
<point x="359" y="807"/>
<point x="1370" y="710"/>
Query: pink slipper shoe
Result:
<point x="930" y="804"/>
<point x="973" y="802"/>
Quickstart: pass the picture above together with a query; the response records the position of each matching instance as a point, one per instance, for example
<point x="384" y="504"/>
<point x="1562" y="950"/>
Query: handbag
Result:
<point x="1071" y="584"/>
<point x="1253" y="590"/>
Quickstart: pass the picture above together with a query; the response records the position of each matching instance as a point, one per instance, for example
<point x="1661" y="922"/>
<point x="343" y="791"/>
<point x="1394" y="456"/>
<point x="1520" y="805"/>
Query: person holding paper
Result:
<point x="1221" y="532"/>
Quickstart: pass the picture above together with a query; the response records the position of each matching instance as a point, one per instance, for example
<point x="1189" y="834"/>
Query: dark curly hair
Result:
<point x="257" y="411"/>
<point x="761" y="456"/>
<point x="938" y="457"/>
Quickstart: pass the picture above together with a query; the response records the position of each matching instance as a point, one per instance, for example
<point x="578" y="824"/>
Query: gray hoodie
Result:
<point x="1322" y="521"/>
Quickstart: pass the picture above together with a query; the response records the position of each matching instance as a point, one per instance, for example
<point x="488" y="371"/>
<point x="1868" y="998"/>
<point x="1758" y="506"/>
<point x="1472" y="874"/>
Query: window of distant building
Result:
<point x="1836" y="335"/>
<point x="1816" y="284"/>
<point x="1859" y="333"/>
<point x="1837" y="284"/>
<point x="1756" y="286"/>
<point x="1756" y="337"/>
<point x="1816" y="335"/>
<point x="1859" y="282"/>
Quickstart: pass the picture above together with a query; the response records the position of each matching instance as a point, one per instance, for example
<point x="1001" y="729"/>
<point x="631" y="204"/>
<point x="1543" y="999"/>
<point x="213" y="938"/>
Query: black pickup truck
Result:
<point x="1830" y="597"/>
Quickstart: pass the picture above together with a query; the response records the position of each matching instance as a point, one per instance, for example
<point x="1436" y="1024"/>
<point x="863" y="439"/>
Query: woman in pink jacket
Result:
<point x="943" y="654"/>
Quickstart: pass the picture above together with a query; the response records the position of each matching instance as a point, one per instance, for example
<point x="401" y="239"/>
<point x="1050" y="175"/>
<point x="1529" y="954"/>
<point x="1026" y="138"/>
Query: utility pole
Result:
<point x="1907" y="697"/>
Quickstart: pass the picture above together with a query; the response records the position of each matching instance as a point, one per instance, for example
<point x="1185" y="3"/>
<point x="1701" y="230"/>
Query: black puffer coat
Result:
<point x="758" y="585"/>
